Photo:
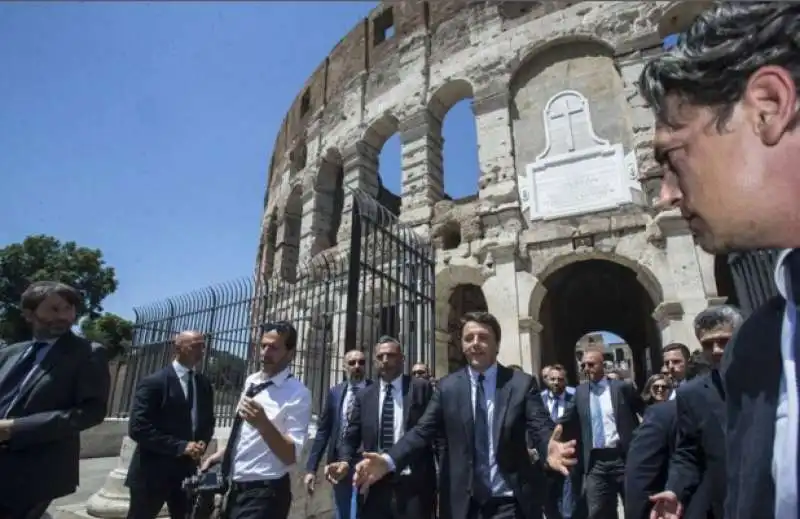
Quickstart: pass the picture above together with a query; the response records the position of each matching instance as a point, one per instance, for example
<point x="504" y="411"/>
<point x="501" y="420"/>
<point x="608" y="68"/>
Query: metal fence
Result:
<point x="381" y="282"/>
<point x="753" y="277"/>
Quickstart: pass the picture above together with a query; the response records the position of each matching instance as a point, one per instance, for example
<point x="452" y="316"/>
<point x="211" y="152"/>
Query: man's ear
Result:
<point x="771" y="95"/>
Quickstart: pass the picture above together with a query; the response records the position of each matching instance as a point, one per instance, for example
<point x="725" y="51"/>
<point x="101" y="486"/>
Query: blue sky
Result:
<point x="146" y="130"/>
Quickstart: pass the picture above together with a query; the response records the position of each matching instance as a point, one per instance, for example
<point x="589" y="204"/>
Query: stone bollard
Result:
<point x="112" y="501"/>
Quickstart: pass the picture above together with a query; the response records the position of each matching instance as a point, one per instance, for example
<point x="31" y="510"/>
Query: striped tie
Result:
<point x="387" y="420"/>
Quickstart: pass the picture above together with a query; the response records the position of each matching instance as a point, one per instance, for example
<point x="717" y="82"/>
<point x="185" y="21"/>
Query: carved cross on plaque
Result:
<point x="567" y="108"/>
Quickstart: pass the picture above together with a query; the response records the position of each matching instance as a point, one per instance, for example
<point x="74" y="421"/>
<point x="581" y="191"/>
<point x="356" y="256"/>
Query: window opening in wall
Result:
<point x="450" y="236"/>
<point x="383" y="26"/>
<point x="305" y="103"/>
<point x="460" y="152"/>
<point x="391" y="174"/>
<point x="299" y="157"/>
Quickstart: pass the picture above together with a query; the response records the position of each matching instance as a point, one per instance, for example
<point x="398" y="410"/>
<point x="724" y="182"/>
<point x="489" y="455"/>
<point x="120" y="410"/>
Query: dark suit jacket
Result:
<point x="66" y="394"/>
<point x="363" y="432"/>
<point x="329" y="428"/>
<point x="161" y="426"/>
<point x="751" y="371"/>
<point x="577" y="418"/>
<point x="518" y="409"/>
<point x="647" y="463"/>
<point x="697" y="470"/>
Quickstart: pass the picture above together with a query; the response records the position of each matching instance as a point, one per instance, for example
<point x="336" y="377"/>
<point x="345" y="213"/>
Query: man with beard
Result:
<point x="674" y="357"/>
<point x="51" y="388"/>
<point x="727" y="107"/>
<point x="332" y="426"/>
<point x="268" y="434"/>
<point x="382" y="414"/>
<point x="697" y="466"/>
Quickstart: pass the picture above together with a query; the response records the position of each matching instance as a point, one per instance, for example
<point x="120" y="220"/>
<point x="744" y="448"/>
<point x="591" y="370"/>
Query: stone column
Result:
<point x="530" y="344"/>
<point x="360" y="172"/>
<point x="502" y="299"/>
<point x="441" y="364"/>
<point x="495" y="145"/>
<point x="423" y="181"/>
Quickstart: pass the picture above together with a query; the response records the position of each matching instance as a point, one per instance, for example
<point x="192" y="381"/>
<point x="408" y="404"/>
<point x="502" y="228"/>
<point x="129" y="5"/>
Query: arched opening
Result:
<point x="723" y="276"/>
<point x="289" y="248"/>
<point x="617" y="356"/>
<point x="597" y="294"/>
<point x="384" y="151"/>
<point x="328" y="202"/>
<point x="452" y="105"/>
<point x="464" y="298"/>
<point x="447" y="236"/>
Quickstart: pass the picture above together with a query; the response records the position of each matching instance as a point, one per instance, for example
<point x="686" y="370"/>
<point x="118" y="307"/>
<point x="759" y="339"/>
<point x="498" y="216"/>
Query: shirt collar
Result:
<point x="278" y="379"/>
<point x="782" y="281"/>
<point x="180" y="369"/>
<point x="396" y="384"/>
<point x="602" y="383"/>
<point x="489" y="376"/>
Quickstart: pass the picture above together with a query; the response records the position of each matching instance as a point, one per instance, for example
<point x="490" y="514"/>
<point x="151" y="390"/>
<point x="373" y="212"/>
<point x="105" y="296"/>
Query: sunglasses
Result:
<point x="588" y="364"/>
<point x="660" y="387"/>
<point x="360" y="362"/>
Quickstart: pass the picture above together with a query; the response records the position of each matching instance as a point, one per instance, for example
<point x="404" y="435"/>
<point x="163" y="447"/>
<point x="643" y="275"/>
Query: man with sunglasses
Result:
<point x="331" y="428"/>
<point x="698" y="469"/>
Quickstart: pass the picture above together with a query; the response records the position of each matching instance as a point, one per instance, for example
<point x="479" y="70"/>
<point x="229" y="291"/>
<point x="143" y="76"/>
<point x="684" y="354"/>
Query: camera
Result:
<point x="210" y="482"/>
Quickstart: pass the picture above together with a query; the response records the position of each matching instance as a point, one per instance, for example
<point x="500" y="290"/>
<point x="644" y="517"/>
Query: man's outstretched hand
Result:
<point x="665" y="506"/>
<point x="369" y="470"/>
<point x="560" y="454"/>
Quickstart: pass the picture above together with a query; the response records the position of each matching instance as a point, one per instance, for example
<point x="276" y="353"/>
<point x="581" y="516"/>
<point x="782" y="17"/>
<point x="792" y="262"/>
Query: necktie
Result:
<point x="481" y="484"/>
<point x="190" y="398"/>
<point x="598" y="434"/>
<point x="387" y="420"/>
<point x="793" y="264"/>
<point x="227" y="458"/>
<point x="349" y="404"/>
<point x="12" y="383"/>
<point x="554" y="410"/>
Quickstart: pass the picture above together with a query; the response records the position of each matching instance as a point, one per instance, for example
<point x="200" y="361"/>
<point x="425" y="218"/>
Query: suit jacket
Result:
<point x="329" y="428"/>
<point x="577" y="419"/>
<point x="66" y="394"/>
<point x="697" y="472"/>
<point x="363" y="432"/>
<point x="751" y="372"/>
<point x="161" y="425"/>
<point x="518" y="409"/>
<point x="647" y="463"/>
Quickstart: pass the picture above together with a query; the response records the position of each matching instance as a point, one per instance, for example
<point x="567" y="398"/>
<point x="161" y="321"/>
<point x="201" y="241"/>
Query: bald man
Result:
<point x="172" y="421"/>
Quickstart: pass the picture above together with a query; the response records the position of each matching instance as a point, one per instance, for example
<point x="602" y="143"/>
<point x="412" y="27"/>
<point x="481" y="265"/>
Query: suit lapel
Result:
<point x="12" y="354"/>
<point x="174" y="385"/>
<point x="48" y="363"/>
<point x="465" y="408"/>
<point x="406" y="400"/>
<point x="616" y="397"/>
<point x="501" y="397"/>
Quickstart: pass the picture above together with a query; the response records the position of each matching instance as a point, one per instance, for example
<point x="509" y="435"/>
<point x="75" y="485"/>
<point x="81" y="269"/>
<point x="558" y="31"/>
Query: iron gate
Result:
<point x="753" y="274"/>
<point x="381" y="282"/>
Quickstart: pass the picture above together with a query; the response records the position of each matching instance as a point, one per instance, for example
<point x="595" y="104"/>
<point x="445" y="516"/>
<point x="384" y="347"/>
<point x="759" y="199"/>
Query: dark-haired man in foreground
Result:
<point x="484" y="413"/>
<point x="51" y="388"/>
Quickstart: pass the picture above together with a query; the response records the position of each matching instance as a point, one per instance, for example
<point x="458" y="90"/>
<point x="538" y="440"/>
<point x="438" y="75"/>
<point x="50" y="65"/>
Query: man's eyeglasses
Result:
<point x="359" y="362"/>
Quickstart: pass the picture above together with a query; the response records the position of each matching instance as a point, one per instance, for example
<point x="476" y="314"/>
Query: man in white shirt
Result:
<point x="727" y="107"/>
<point x="269" y="433"/>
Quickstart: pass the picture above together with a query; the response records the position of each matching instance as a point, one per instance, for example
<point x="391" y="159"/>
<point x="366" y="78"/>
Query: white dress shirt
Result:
<point x="550" y="400"/>
<point x="610" y="433"/>
<point x="287" y="404"/>
<point x="784" y="453"/>
<point x="183" y="377"/>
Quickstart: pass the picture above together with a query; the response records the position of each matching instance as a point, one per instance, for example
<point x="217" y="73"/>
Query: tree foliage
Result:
<point x="44" y="258"/>
<point x="110" y="330"/>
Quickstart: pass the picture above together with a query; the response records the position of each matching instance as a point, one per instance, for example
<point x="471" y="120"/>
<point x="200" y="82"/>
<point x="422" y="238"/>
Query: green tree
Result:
<point x="43" y="258"/>
<point x="110" y="330"/>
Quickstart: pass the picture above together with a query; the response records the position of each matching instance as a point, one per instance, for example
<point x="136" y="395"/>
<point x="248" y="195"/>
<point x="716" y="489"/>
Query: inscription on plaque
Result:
<point x="578" y="172"/>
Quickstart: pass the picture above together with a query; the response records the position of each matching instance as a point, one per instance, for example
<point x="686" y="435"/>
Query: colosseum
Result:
<point x="561" y="237"/>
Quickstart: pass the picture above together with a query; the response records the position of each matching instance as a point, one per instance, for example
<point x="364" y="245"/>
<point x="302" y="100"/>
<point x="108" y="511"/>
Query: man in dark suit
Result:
<point x="172" y="422"/>
<point x="602" y="418"/>
<point x="483" y="412"/>
<point x="730" y="167"/>
<point x="383" y="413"/>
<point x="51" y="389"/>
<point x="698" y="471"/>
<point x="330" y="429"/>
<point x="559" y="501"/>
<point x="648" y="461"/>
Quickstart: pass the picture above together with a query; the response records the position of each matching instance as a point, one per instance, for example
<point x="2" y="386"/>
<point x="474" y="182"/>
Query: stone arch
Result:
<point x="288" y="250"/>
<point x="369" y="152"/>
<point x="269" y="245"/>
<point x="581" y="293"/>
<point x="328" y="201"/>
<point x="581" y="63"/>
<point x="444" y="99"/>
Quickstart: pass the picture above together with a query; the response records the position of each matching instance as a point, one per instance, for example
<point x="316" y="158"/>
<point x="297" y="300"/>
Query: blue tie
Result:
<point x="554" y="410"/>
<point x="598" y="434"/>
<point x="481" y="483"/>
<point x="793" y="264"/>
<point x="10" y="386"/>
